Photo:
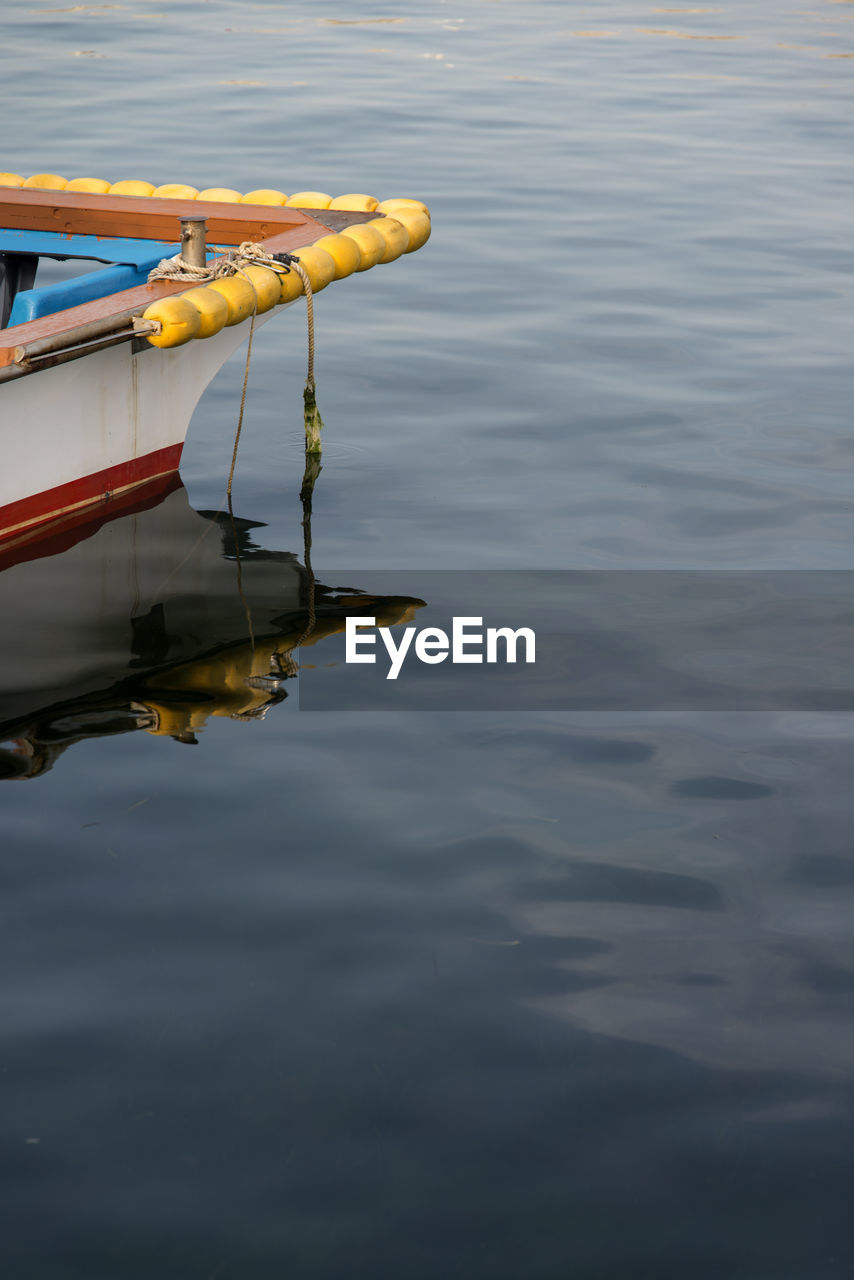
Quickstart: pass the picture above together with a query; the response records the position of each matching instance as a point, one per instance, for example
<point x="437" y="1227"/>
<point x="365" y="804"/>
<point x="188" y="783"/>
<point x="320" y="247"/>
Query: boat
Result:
<point x="100" y="373"/>
<point x="154" y="619"/>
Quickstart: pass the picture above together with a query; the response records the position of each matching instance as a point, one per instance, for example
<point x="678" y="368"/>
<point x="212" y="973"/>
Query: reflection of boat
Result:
<point x="99" y="374"/>
<point x="156" y="619"/>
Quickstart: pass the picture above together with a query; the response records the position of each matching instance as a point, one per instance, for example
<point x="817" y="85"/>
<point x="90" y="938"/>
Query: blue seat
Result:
<point x="129" y="262"/>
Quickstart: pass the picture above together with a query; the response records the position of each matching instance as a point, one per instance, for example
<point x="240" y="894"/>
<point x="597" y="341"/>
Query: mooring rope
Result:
<point x="242" y="404"/>
<point x="177" y="269"/>
<point x="248" y="254"/>
<point x="251" y="254"/>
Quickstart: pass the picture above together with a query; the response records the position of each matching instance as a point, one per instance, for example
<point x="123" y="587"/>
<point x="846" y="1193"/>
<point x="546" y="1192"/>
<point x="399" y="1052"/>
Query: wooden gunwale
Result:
<point x="139" y="217"/>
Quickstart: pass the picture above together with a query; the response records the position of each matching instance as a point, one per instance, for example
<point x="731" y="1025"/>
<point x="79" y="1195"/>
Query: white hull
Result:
<point x="92" y="428"/>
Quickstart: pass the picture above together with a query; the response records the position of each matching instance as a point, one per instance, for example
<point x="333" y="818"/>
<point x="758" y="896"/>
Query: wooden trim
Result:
<point x="140" y="217"/>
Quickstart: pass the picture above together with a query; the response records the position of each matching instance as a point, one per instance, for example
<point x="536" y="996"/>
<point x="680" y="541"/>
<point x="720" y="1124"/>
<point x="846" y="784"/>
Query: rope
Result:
<point x="230" y="264"/>
<point x="248" y="254"/>
<point x="242" y="404"/>
<point x="309" y="311"/>
<point x="177" y="269"/>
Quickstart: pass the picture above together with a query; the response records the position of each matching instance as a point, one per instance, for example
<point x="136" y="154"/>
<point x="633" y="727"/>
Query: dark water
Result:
<point x="473" y="993"/>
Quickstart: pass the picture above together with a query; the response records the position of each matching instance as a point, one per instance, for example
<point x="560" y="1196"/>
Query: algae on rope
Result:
<point x="313" y="421"/>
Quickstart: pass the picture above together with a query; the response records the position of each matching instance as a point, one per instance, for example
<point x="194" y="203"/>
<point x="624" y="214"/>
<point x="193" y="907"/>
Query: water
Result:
<point x="478" y="994"/>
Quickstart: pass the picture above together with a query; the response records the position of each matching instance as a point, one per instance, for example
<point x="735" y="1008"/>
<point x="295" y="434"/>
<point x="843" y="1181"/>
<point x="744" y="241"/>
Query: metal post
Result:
<point x="193" y="232"/>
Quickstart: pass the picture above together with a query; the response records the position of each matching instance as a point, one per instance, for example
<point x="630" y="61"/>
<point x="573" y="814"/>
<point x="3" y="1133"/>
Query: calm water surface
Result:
<point x="447" y="993"/>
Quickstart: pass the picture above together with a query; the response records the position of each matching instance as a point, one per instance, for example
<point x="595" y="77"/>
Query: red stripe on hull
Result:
<point x="56" y="536"/>
<point x="21" y="519"/>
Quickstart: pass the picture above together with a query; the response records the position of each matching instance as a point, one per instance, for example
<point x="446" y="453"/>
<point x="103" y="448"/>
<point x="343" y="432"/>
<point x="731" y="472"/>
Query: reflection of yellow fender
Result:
<point x="242" y="681"/>
<point x="214" y="686"/>
<point x="178" y="721"/>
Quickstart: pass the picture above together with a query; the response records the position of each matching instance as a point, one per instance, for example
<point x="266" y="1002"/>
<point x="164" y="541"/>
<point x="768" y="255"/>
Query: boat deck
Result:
<point x="109" y="227"/>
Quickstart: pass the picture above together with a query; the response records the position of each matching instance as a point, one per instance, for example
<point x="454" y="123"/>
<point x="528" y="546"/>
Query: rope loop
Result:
<point x="234" y="263"/>
<point x="247" y="254"/>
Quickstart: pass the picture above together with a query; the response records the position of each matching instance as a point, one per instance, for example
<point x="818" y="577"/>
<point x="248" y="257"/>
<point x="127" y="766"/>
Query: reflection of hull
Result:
<point x="122" y="600"/>
<point x="155" y="620"/>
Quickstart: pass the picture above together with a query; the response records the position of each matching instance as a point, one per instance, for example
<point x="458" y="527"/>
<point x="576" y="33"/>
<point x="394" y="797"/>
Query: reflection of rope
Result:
<point x="252" y="254"/>
<point x="312" y="471"/>
<point x="240" y="591"/>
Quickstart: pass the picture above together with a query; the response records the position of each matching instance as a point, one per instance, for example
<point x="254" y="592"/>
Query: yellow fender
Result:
<point x="290" y="286"/>
<point x="318" y="265"/>
<point x="371" y="244"/>
<point x="356" y="203"/>
<point x="212" y="308"/>
<point x="395" y="235"/>
<point x="401" y="202"/>
<point x="418" y="227"/>
<point x="175" y="191"/>
<point x="264" y="195"/>
<point x="310" y="200"/>
<point x="344" y="252"/>
<point x="179" y="319"/>
<point x="225" y="195"/>
<point x="240" y="296"/>
<point x="265" y="282"/>
<point x="46" y="182"/>
<point x="131" y="187"/>
<point x="94" y="186"/>
<point x="198" y="313"/>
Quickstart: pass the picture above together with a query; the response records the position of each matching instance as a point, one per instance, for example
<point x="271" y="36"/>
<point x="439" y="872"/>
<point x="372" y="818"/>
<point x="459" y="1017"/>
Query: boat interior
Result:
<point x="117" y="263"/>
